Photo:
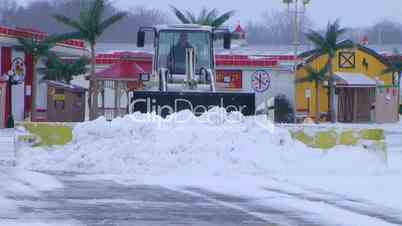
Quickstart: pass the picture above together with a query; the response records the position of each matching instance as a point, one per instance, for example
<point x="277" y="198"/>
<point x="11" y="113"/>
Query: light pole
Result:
<point x="299" y="9"/>
<point x="12" y="79"/>
<point x="10" y="82"/>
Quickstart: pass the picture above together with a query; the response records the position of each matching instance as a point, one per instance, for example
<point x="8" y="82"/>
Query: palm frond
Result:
<point x="304" y="79"/>
<point x="110" y="21"/>
<point x="52" y="39"/>
<point x="223" y="18"/>
<point x="313" y="75"/>
<point x="54" y="68"/>
<point x="202" y="17"/>
<point x="68" y="21"/>
<point x="36" y="47"/>
<point x="191" y="17"/>
<point x="26" y="44"/>
<point x="317" y="39"/>
<point x="61" y="71"/>
<point x="79" y="66"/>
<point x="210" y="17"/>
<point x="180" y="16"/>
<point x="97" y="10"/>
<point x="333" y="33"/>
<point x="85" y="18"/>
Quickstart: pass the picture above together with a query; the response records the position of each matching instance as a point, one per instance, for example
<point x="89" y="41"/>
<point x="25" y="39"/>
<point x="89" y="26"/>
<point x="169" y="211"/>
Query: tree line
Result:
<point x="276" y="28"/>
<point x="39" y="15"/>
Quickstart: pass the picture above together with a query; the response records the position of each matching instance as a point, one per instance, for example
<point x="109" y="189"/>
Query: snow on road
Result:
<point x="236" y="155"/>
<point x="21" y="183"/>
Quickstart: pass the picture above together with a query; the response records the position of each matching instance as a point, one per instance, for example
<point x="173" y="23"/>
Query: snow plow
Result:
<point x="183" y="73"/>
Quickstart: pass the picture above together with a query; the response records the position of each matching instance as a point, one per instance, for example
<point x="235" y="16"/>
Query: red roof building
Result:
<point x="240" y="32"/>
<point x="18" y="63"/>
<point x="123" y="70"/>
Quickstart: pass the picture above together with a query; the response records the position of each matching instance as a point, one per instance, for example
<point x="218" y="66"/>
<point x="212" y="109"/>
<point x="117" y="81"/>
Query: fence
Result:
<point x="7" y="147"/>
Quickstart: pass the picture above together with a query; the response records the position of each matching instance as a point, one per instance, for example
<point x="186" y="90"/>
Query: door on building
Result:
<point x="2" y="104"/>
<point x="354" y="104"/>
<point x="18" y="98"/>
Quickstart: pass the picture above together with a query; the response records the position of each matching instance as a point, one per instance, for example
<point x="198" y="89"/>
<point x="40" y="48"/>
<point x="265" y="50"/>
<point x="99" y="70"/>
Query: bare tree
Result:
<point x="38" y="15"/>
<point x="385" y="32"/>
<point x="126" y="30"/>
<point x="8" y="9"/>
<point x="275" y="27"/>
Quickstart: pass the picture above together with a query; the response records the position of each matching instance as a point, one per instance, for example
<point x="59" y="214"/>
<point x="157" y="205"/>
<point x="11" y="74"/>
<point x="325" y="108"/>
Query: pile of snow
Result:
<point x="217" y="144"/>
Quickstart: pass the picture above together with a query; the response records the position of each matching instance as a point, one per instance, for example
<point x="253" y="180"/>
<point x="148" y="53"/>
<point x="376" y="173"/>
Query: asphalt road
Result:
<point x="105" y="203"/>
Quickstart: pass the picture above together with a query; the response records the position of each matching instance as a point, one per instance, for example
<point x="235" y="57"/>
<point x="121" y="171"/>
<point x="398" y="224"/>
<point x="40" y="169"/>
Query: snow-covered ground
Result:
<point x="242" y="156"/>
<point x="18" y="182"/>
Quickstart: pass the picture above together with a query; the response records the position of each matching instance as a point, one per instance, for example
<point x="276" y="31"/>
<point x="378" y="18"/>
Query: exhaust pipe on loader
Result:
<point x="191" y="82"/>
<point x="163" y="75"/>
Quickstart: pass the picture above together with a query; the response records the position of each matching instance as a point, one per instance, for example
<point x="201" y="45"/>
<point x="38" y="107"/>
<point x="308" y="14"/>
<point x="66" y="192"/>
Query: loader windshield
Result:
<point x="172" y="49"/>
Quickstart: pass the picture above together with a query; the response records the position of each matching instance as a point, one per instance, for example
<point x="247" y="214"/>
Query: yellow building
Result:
<point x="358" y="74"/>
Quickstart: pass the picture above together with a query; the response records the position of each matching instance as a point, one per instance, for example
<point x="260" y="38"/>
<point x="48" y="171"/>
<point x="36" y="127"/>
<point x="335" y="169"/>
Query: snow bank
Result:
<point x="216" y="143"/>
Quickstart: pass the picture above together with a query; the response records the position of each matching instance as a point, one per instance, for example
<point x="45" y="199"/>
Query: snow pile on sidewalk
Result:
<point x="216" y="144"/>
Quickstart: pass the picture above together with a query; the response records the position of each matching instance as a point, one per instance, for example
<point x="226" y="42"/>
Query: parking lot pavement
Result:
<point x="105" y="203"/>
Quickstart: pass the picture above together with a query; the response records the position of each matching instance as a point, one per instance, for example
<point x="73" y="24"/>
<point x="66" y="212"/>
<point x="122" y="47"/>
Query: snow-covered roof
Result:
<point x="74" y="47"/>
<point x="124" y="70"/>
<point x="71" y="87"/>
<point x="184" y="27"/>
<point x="354" y="80"/>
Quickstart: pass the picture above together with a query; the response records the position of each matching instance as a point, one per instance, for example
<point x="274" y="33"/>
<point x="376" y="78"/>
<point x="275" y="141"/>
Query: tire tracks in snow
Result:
<point x="273" y="215"/>
<point x="357" y="206"/>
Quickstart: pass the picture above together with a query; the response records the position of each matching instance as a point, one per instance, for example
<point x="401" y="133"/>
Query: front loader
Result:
<point x="183" y="73"/>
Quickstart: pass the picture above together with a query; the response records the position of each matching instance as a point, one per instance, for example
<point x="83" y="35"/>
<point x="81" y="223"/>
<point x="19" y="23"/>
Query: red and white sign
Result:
<point x="230" y="79"/>
<point x="18" y="70"/>
<point x="261" y="81"/>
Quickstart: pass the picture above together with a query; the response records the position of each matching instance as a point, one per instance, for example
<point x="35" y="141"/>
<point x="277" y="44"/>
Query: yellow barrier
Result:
<point x="327" y="139"/>
<point x="48" y="134"/>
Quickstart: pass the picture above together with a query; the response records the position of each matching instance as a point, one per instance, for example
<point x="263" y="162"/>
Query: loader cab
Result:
<point x="184" y="54"/>
<point x="172" y="48"/>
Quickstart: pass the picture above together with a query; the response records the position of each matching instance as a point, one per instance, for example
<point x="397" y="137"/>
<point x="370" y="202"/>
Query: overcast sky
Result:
<point x="351" y="12"/>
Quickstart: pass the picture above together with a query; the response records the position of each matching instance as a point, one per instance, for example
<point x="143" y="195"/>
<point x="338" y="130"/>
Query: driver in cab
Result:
<point x="177" y="55"/>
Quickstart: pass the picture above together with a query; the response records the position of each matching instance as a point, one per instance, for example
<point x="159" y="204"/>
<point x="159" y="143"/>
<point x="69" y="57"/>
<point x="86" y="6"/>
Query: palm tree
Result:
<point x="38" y="49"/>
<point x="288" y="2"/>
<point x="395" y="67"/>
<point x="327" y="44"/>
<point x="57" y="70"/>
<point x="90" y="26"/>
<point x="318" y="78"/>
<point x="208" y="18"/>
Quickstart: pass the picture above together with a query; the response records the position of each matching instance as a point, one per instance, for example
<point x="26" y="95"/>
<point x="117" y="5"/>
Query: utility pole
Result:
<point x="380" y="36"/>
<point x="299" y="9"/>
<point x="296" y="41"/>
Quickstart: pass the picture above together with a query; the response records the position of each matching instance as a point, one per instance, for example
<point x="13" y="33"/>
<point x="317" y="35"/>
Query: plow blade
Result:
<point x="165" y="103"/>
